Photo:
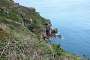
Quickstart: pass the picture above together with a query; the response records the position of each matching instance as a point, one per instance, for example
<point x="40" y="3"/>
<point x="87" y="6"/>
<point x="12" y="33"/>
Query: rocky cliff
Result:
<point x="20" y="35"/>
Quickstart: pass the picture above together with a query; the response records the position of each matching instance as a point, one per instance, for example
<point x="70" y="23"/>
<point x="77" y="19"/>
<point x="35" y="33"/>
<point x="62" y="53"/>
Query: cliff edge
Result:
<point x="20" y="35"/>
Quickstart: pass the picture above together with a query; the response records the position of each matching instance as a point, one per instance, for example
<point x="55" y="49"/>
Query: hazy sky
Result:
<point x="55" y="6"/>
<point x="61" y="10"/>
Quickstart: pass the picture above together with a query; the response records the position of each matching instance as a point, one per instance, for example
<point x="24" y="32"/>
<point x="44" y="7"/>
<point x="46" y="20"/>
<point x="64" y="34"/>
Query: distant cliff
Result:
<point x="20" y="35"/>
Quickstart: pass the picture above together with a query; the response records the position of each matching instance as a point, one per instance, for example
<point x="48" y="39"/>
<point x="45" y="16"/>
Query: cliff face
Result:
<point x="20" y="29"/>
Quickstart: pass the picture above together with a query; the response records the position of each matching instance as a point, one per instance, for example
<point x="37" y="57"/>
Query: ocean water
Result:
<point x="71" y="17"/>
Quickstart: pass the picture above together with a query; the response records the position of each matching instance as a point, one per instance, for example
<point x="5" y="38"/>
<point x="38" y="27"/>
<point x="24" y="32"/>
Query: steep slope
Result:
<point x="20" y="39"/>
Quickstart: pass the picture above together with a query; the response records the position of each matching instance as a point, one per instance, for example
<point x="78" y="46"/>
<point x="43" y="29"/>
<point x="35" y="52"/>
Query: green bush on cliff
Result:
<point x="57" y="50"/>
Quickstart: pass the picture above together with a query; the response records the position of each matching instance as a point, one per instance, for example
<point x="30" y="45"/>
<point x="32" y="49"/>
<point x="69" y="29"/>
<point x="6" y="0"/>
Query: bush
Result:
<point x="57" y="49"/>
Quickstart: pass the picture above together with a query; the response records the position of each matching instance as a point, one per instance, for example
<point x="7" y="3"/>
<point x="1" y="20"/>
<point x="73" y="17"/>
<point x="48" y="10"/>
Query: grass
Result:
<point x="20" y="43"/>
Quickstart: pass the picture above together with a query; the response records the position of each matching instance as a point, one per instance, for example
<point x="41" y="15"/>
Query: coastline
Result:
<point x="21" y="37"/>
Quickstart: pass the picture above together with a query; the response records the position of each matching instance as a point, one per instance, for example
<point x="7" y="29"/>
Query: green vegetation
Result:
<point x="19" y="42"/>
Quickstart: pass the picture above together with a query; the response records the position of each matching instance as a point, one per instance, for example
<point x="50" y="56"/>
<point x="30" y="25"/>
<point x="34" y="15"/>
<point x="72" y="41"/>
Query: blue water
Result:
<point x="71" y="17"/>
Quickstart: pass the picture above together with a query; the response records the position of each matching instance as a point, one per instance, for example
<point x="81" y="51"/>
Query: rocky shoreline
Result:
<point x="20" y="35"/>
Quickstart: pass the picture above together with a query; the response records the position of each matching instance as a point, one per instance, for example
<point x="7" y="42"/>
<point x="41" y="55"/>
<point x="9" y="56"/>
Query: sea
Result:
<point x="72" y="18"/>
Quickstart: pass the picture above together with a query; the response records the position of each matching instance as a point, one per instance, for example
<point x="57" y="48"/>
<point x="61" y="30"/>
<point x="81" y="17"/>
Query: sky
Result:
<point x="61" y="10"/>
<point x="55" y="6"/>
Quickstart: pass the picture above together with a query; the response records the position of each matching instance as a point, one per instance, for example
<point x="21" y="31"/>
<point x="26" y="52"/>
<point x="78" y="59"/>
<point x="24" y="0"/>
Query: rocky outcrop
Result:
<point x="19" y="42"/>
